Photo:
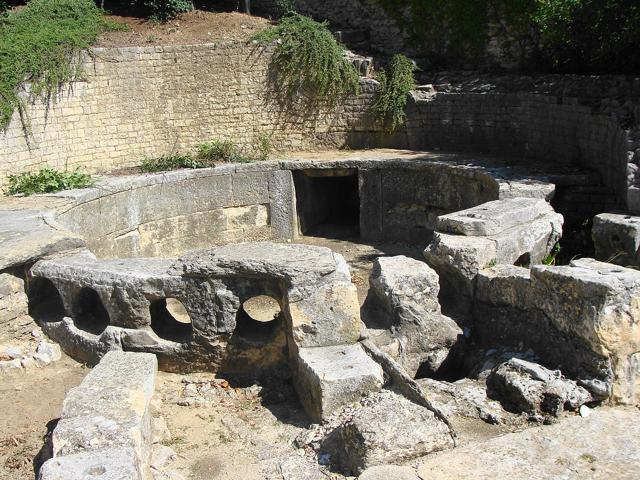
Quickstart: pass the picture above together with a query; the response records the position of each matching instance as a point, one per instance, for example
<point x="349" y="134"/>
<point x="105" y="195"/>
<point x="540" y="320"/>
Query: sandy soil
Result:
<point x="190" y="28"/>
<point x="31" y="402"/>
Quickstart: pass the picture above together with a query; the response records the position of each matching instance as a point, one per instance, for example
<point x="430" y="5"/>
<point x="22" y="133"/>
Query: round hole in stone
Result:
<point x="45" y="302"/>
<point x="170" y="320"/>
<point x="89" y="313"/>
<point x="257" y="319"/>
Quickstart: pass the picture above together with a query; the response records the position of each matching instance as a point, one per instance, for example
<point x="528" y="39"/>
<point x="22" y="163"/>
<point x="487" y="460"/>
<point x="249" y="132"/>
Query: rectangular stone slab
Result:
<point x="328" y="378"/>
<point x="110" y="410"/>
<point x="494" y="217"/>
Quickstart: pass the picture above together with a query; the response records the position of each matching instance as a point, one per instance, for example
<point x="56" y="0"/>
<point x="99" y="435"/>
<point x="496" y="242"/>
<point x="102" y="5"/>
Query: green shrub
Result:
<point x="285" y="7"/>
<point x="308" y="62"/>
<point x="169" y="162"/>
<point x="221" y="151"/>
<point x="552" y="258"/>
<point x="263" y="147"/>
<point x="47" y="180"/>
<point x="164" y="10"/>
<point x="395" y="85"/>
<point x="39" y="45"/>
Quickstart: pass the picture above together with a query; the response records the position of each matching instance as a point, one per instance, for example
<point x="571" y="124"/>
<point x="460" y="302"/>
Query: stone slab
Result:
<point x="616" y="238"/>
<point x="328" y="378"/>
<point x="110" y="409"/>
<point x="28" y="235"/>
<point x="493" y="218"/>
<point x="602" y="446"/>
<point x="108" y="464"/>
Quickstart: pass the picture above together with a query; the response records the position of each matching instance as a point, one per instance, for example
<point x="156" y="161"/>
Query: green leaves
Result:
<point x="395" y="85"/>
<point x="308" y="62"/>
<point x="47" y="180"/>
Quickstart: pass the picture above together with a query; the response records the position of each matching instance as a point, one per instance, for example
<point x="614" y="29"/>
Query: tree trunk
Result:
<point x="247" y="7"/>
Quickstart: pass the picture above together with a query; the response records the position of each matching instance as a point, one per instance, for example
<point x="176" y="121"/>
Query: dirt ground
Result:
<point x="190" y="28"/>
<point x="31" y="402"/>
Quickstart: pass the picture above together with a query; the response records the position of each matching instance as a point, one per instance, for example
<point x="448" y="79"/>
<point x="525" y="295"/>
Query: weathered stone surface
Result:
<point x="407" y="290"/>
<point x="327" y="378"/>
<point x="465" y="398"/>
<point x="105" y="464"/>
<point x="28" y="235"/>
<point x="598" y="303"/>
<point x="493" y="218"/>
<point x="389" y="429"/>
<point x="125" y="287"/>
<point x="523" y="386"/>
<point x="603" y="446"/>
<point x="581" y="319"/>
<point x="389" y="472"/>
<point x="616" y="238"/>
<point x="110" y="410"/>
<point x="520" y="227"/>
<point x="319" y="299"/>
<point x="464" y="255"/>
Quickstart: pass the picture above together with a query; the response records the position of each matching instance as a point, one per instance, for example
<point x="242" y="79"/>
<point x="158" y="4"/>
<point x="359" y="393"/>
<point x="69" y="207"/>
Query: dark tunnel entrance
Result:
<point x="328" y="202"/>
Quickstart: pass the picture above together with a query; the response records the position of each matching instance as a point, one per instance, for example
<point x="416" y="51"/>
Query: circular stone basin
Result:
<point x="262" y="308"/>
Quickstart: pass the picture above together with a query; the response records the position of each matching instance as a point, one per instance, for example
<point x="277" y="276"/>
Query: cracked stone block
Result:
<point x="110" y="410"/>
<point x="616" y="238"/>
<point x="107" y="464"/>
<point x="524" y="386"/>
<point x="328" y="378"/>
<point x="519" y="226"/>
<point x="388" y="429"/>
<point x="407" y="292"/>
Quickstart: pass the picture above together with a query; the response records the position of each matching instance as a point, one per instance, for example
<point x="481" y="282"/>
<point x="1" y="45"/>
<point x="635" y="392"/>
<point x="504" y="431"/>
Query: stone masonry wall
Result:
<point x="148" y="101"/>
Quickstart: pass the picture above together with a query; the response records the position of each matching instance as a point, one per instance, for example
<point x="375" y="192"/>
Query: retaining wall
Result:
<point x="139" y="102"/>
<point x="147" y="101"/>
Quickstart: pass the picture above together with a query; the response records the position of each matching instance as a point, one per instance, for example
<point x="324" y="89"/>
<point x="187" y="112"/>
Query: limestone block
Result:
<point x="124" y="286"/>
<point x="388" y="472"/>
<point x="407" y="290"/>
<point x="320" y="301"/>
<point x="466" y="255"/>
<point x="598" y="303"/>
<point x="389" y="429"/>
<point x="28" y="235"/>
<point x="524" y="386"/>
<point x="608" y="441"/>
<point x="616" y="238"/>
<point x="328" y="378"/>
<point x="492" y="218"/>
<point x="106" y="464"/>
<point x="110" y="409"/>
<point x="519" y="226"/>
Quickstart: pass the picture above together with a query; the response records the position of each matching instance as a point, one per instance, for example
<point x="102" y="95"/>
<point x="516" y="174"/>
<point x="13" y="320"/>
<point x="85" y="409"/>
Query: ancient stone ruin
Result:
<point x="477" y="330"/>
<point x="458" y="298"/>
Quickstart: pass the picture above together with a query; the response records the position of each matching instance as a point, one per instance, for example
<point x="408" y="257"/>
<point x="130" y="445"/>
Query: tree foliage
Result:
<point x="598" y="36"/>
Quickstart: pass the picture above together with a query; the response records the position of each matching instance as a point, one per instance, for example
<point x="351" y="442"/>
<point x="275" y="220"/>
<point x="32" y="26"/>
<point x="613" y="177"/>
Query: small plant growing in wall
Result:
<point x="308" y="62"/>
<point x="47" y="180"/>
<point x="395" y="84"/>
<point x="169" y="162"/>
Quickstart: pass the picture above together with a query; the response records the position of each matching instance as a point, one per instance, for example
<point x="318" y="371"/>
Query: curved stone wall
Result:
<point x="400" y="196"/>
